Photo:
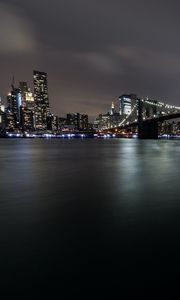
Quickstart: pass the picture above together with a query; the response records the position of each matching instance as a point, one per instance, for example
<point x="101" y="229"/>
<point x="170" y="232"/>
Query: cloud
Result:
<point x="150" y="59"/>
<point x="16" y="34"/>
<point x="92" y="50"/>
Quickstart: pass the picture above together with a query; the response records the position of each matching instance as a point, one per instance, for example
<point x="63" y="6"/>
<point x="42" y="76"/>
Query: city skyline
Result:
<point x="30" y="89"/>
<point x="33" y="92"/>
<point x="92" y="52"/>
<point x="26" y="111"/>
<point x="29" y="114"/>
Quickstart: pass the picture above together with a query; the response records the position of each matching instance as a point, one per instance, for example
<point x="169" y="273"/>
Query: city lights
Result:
<point x="28" y="115"/>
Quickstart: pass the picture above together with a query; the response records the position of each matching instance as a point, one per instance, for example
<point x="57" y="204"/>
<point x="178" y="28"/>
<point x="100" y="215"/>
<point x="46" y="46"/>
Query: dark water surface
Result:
<point x="90" y="213"/>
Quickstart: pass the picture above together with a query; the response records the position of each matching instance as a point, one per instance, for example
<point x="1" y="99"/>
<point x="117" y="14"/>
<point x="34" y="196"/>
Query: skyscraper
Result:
<point x="112" y="108"/>
<point x="14" y="101"/>
<point x="41" y="100"/>
<point x="128" y="106"/>
<point x="2" y="116"/>
<point x="24" y="89"/>
<point x="28" y="107"/>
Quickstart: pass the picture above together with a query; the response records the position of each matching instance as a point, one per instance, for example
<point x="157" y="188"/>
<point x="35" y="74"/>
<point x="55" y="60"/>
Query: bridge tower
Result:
<point x="146" y="129"/>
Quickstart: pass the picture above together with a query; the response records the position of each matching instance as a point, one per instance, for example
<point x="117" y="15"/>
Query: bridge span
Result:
<point x="146" y="123"/>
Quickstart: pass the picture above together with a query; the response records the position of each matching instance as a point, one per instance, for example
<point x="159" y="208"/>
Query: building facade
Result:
<point x="14" y="103"/>
<point x="2" y="117"/>
<point x="41" y="100"/>
<point x="79" y="121"/>
<point x="128" y="106"/>
<point x="27" y="107"/>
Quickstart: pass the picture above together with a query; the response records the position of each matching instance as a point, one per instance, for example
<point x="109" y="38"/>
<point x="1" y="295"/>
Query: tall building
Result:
<point x="29" y="101"/>
<point x="2" y="107"/>
<point x="128" y="106"/>
<point x="24" y="89"/>
<point x="2" y="116"/>
<point x="41" y="100"/>
<point x="28" y="107"/>
<point x="112" y="108"/>
<point x="14" y="103"/>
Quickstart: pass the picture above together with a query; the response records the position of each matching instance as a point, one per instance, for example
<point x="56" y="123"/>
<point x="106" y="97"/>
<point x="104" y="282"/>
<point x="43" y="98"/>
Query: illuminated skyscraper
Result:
<point x="27" y="96"/>
<point x="28" y="107"/>
<point x="24" y="89"/>
<point x="41" y="100"/>
<point x="128" y="106"/>
<point x="112" y="108"/>
<point x="14" y="102"/>
<point x="2" y="116"/>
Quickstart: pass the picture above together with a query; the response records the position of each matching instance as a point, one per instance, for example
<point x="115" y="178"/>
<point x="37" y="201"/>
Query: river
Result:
<point x="76" y="209"/>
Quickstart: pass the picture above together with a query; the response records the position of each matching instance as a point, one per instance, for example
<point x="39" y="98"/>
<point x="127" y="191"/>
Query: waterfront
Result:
<point x="71" y="210"/>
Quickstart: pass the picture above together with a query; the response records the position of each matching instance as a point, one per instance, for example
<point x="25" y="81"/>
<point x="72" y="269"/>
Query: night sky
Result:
<point x="93" y="51"/>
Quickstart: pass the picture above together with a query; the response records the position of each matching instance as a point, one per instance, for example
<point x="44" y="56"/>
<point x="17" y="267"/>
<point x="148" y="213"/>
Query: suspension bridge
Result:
<point x="146" y="115"/>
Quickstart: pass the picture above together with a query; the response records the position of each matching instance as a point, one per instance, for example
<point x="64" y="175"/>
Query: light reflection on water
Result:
<point x="89" y="206"/>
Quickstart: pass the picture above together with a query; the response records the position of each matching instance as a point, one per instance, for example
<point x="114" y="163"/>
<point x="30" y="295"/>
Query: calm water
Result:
<point x="77" y="211"/>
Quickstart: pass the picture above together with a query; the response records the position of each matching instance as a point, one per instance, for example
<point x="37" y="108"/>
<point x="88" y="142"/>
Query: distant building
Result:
<point x="61" y="123"/>
<point x="102" y="122"/>
<point x="127" y="103"/>
<point x="28" y="107"/>
<point x="24" y="89"/>
<point x="29" y="101"/>
<point x="73" y="120"/>
<point x="52" y="122"/>
<point x="27" y="119"/>
<point x="108" y="120"/>
<point x="112" y="109"/>
<point x="10" y="121"/>
<point x="2" y="117"/>
<point x="14" y="103"/>
<point x="2" y="107"/>
<point x="41" y="100"/>
<point x="84" y="124"/>
<point x="79" y="121"/>
<point x="169" y="128"/>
